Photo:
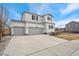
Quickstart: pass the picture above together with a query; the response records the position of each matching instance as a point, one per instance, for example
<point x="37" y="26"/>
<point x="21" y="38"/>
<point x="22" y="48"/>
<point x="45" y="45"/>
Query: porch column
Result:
<point x="12" y="31"/>
<point x="26" y="29"/>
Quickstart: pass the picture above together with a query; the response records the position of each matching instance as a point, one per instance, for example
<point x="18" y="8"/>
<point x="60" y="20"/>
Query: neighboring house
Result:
<point x="72" y="26"/>
<point x="31" y="23"/>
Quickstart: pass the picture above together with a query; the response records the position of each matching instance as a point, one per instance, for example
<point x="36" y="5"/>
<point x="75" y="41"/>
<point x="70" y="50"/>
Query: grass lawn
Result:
<point x="68" y="36"/>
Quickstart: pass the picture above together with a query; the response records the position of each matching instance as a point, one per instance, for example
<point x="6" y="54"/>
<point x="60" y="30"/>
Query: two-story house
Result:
<point x="33" y="24"/>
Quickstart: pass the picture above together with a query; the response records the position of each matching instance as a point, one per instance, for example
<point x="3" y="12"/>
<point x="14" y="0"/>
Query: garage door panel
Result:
<point x="19" y="30"/>
<point x="35" y="30"/>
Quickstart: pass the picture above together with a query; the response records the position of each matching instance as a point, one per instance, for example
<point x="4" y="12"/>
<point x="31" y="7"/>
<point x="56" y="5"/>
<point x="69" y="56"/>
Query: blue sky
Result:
<point x="62" y="12"/>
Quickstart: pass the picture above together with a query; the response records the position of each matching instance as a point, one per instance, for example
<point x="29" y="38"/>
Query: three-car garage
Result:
<point x="31" y="30"/>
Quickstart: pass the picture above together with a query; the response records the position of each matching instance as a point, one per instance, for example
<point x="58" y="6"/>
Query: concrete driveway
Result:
<point x="39" y="45"/>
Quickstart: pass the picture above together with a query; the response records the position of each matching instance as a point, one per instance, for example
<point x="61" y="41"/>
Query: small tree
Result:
<point x="2" y="20"/>
<point x="0" y="30"/>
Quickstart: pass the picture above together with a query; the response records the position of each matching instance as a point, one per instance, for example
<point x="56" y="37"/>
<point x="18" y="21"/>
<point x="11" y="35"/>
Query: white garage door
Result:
<point x="33" y="30"/>
<point x="18" y="31"/>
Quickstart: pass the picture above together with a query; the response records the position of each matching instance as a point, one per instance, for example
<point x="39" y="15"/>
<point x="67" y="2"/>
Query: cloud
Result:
<point x="44" y="8"/>
<point x="70" y="8"/>
<point x="40" y="8"/>
<point x="65" y="11"/>
<point x="63" y="22"/>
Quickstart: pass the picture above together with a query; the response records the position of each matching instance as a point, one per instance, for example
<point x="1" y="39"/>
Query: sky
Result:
<point x="63" y="12"/>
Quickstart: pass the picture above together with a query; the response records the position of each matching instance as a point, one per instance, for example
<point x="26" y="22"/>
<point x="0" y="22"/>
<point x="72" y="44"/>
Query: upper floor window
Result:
<point x="33" y="17"/>
<point x="49" y="18"/>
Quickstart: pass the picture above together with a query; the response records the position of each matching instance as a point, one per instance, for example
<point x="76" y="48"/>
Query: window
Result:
<point x="33" y="17"/>
<point x="49" y="18"/>
<point x="50" y="27"/>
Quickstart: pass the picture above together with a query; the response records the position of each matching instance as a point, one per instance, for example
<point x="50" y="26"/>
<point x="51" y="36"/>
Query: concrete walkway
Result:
<point x="40" y="45"/>
<point x="3" y="43"/>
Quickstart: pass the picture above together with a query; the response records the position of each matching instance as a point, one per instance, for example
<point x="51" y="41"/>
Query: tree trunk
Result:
<point x="0" y="36"/>
<point x="1" y="29"/>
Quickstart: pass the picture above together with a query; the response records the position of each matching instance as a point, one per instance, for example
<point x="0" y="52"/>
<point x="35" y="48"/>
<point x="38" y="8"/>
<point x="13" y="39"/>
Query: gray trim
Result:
<point x="49" y="15"/>
<point x="37" y="14"/>
<point x="39" y="22"/>
<point x="34" y="22"/>
<point x="27" y="22"/>
<point x="32" y="13"/>
<point x="17" y="21"/>
<point x="49" y="23"/>
<point x="72" y="22"/>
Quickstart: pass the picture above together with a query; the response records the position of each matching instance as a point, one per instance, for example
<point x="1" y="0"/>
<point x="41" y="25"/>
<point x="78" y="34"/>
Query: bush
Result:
<point x="55" y="33"/>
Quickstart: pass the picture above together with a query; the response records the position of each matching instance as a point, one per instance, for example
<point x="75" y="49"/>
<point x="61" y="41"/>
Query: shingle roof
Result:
<point x="73" y="22"/>
<point x="13" y="20"/>
<point x="37" y="14"/>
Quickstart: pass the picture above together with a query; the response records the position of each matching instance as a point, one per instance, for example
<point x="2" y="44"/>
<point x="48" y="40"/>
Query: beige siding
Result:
<point x="35" y="25"/>
<point x="18" y="24"/>
<point x="28" y="17"/>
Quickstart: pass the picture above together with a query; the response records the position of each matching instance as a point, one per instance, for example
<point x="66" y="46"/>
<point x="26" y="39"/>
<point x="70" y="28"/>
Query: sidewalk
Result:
<point x="3" y="43"/>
